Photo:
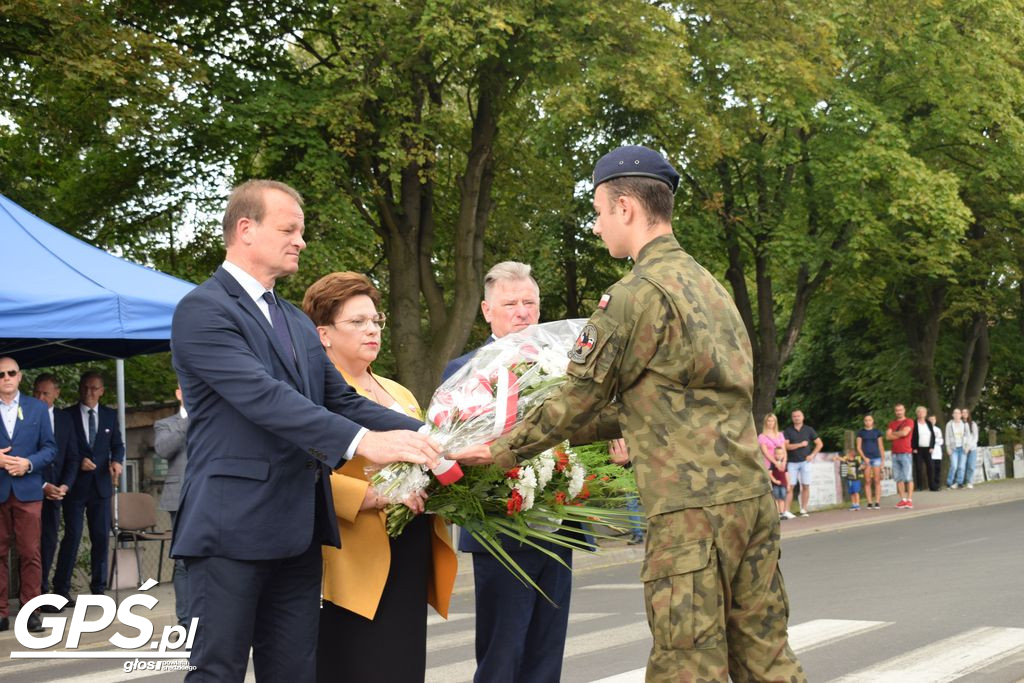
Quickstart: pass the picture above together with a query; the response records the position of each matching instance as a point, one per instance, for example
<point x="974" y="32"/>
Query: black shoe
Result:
<point x="34" y="625"/>
<point x="636" y="540"/>
<point x="4" y="624"/>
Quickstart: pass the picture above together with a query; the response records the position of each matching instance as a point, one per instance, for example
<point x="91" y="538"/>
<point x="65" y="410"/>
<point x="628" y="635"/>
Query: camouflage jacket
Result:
<point x="667" y="345"/>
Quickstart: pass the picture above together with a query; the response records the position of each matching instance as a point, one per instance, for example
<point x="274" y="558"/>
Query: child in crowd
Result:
<point x="777" y="474"/>
<point x="853" y="464"/>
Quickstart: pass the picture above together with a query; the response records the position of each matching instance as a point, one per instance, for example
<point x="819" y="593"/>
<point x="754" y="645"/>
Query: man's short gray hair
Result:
<point x="507" y="271"/>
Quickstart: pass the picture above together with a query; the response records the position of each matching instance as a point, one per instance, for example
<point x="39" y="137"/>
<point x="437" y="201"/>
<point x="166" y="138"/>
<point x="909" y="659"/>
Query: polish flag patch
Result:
<point x="603" y="303"/>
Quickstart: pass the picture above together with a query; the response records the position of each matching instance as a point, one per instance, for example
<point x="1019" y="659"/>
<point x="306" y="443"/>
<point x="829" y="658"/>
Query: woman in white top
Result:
<point x="956" y="437"/>
<point x="970" y="448"/>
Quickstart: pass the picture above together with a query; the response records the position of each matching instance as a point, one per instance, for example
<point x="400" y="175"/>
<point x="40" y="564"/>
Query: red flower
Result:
<point x="591" y="477"/>
<point x="515" y="503"/>
<point x="560" y="498"/>
<point x="513" y="473"/>
<point x="584" y="494"/>
<point x="561" y="460"/>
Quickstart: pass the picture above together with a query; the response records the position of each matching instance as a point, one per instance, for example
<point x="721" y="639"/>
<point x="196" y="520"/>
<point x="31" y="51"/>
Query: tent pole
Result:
<point x="120" y="420"/>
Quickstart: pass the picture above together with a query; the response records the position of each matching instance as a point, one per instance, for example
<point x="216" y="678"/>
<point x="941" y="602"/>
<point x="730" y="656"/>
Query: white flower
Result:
<point x="545" y="466"/>
<point x="526" y="484"/>
<point x="576" y="474"/>
<point x="553" y="361"/>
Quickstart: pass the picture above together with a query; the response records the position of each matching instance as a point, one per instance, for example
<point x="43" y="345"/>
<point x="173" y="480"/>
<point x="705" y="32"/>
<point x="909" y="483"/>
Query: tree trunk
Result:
<point x="921" y="327"/>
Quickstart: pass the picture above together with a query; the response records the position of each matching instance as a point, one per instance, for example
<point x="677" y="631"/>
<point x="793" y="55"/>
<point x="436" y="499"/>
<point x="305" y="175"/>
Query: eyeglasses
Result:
<point x="361" y="323"/>
<point x="9" y="373"/>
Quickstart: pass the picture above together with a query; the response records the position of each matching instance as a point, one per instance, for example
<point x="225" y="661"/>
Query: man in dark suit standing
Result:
<point x="520" y="636"/>
<point x="269" y="418"/>
<point x="26" y="448"/>
<point x="59" y="475"/>
<point x="99" y="442"/>
<point x="169" y="443"/>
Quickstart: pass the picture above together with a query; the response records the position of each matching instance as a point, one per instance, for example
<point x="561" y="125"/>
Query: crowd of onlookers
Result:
<point x="917" y="447"/>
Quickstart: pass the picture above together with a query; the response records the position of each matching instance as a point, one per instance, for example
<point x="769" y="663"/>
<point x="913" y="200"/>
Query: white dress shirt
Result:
<point x="85" y="419"/>
<point x="252" y="287"/>
<point x="9" y="412"/>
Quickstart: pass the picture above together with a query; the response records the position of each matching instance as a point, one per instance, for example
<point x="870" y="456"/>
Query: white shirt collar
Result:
<point x="14" y="401"/>
<point x="251" y="285"/>
<point x="86" y="409"/>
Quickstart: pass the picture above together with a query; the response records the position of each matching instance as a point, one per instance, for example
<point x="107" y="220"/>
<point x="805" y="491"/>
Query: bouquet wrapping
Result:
<point x="543" y="500"/>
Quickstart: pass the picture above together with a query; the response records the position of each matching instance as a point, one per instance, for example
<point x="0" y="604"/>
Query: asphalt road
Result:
<point x="931" y="598"/>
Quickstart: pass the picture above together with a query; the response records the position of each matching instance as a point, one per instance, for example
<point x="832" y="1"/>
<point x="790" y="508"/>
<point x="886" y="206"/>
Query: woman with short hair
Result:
<point x="375" y="589"/>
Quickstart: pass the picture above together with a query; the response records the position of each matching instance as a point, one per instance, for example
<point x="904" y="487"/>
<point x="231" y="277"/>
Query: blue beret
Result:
<point x="634" y="160"/>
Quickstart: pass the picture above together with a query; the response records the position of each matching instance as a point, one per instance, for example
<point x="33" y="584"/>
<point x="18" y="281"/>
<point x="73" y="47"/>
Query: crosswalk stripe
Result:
<point x="802" y="637"/>
<point x="437" y="619"/>
<point x="811" y="634"/>
<point x="945" y="660"/>
<point x="467" y="636"/>
<point x="583" y="643"/>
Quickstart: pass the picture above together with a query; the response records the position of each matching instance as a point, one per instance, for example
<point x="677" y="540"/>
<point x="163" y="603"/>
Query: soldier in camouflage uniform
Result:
<point x="666" y="362"/>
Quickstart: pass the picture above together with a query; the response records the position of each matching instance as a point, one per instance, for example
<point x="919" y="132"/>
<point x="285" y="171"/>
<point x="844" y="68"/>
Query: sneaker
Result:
<point x="970" y="486"/>
<point x="902" y="504"/>
<point x="877" y="506"/>
<point x="635" y="540"/>
<point x="782" y="518"/>
<point x="953" y="487"/>
<point x="855" y="507"/>
<point x="909" y="505"/>
<point x="804" y="513"/>
<point x="788" y="515"/>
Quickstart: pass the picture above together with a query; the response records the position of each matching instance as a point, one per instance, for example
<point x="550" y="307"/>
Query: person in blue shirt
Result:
<point x="870" y="449"/>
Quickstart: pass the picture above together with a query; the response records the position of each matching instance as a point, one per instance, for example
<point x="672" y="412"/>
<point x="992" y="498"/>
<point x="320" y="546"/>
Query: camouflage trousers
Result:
<point x="716" y="603"/>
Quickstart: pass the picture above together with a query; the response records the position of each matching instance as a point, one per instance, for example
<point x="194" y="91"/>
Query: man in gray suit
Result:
<point x="169" y="443"/>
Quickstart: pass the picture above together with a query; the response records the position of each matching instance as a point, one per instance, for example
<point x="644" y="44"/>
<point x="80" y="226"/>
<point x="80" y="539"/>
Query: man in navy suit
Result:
<point x="26" y="448"/>
<point x="99" y="443"/>
<point x="269" y="418"/>
<point x="520" y="636"/>
<point x="58" y="476"/>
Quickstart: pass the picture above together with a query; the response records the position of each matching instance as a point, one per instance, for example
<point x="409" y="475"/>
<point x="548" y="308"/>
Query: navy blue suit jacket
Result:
<point x="64" y="468"/>
<point x="261" y="426"/>
<point x="108" y="447"/>
<point x="32" y="439"/>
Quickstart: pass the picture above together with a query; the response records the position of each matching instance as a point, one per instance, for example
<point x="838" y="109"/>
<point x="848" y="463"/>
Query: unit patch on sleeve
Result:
<point x="584" y="343"/>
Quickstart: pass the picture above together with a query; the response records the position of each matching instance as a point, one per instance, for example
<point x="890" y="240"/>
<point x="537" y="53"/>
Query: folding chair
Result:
<point x="134" y="516"/>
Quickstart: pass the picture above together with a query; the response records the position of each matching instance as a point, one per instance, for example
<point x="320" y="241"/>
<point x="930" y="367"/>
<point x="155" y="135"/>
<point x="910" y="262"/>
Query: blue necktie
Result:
<point x="284" y="339"/>
<point x="92" y="427"/>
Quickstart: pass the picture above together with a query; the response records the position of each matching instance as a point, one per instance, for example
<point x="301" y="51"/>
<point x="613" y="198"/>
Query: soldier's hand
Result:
<point x="617" y="451"/>
<point x="399" y="445"/>
<point x="474" y="455"/>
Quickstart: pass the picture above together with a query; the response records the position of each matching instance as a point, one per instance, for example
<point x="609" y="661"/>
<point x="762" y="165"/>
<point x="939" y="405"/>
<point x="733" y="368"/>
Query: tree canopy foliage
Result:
<point x="852" y="169"/>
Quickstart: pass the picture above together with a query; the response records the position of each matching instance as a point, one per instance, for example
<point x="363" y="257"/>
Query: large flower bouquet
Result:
<point x="542" y="501"/>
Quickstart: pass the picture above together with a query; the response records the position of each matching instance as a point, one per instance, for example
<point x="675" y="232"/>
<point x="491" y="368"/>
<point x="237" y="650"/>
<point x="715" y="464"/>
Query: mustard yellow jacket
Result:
<point x="355" y="574"/>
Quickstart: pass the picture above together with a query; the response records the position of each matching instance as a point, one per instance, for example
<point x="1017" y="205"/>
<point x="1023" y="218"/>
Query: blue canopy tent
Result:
<point x="64" y="301"/>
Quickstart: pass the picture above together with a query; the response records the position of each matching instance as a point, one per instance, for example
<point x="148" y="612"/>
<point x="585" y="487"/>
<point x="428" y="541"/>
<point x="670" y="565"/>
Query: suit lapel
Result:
<point x="235" y="290"/>
<point x="3" y="431"/>
<point x="295" y="319"/>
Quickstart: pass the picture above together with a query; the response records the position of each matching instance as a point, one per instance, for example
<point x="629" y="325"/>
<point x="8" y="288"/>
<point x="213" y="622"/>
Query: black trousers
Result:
<point x="934" y="470"/>
<point x="391" y="647"/>
<point x="922" y="469"/>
